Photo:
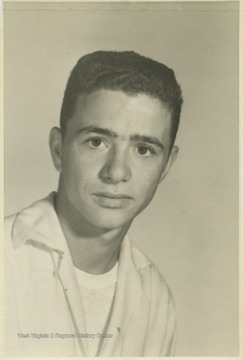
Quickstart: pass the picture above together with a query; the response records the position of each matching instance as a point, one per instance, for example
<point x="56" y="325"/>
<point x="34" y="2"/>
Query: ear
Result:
<point x="56" y="144"/>
<point x="172" y="158"/>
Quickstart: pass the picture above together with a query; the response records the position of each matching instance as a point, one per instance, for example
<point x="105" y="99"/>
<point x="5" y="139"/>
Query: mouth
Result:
<point x="112" y="195"/>
<point x="111" y="200"/>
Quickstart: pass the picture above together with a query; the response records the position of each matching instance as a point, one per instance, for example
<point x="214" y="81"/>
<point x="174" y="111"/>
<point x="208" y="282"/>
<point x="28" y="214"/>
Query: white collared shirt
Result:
<point x="43" y="310"/>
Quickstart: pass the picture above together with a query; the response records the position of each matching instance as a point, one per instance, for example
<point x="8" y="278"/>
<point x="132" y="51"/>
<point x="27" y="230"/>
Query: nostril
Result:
<point x="116" y="170"/>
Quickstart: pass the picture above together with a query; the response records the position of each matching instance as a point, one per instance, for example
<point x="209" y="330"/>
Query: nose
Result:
<point x="116" y="168"/>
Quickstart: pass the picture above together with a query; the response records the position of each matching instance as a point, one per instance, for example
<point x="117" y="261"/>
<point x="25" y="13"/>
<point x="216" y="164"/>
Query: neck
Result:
<point x="93" y="250"/>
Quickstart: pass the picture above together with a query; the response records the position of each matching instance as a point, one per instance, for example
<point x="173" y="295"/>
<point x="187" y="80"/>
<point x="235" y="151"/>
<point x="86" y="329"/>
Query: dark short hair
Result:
<point x="126" y="71"/>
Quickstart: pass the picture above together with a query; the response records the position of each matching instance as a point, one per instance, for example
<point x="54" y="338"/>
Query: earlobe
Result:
<point x="55" y="143"/>
<point x="172" y="158"/>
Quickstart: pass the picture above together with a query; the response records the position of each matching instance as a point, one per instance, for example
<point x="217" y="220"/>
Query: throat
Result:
<point x="95" y="255"/>
<point x="92" y="249"/>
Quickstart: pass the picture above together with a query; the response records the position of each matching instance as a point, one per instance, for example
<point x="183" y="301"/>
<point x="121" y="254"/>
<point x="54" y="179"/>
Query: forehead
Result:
<point x="121" y="112"/>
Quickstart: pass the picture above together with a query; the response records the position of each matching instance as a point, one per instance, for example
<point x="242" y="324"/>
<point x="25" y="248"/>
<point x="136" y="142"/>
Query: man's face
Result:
<point x="113" y="156"/>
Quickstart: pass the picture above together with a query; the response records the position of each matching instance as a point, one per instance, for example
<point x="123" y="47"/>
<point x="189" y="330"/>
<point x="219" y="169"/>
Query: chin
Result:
<point x="110" y="222"/>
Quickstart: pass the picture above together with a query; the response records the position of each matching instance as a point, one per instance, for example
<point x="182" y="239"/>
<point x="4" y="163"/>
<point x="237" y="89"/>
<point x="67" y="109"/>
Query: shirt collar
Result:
<point x="39" y="223"/>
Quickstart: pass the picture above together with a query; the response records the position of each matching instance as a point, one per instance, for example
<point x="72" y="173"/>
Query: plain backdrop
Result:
<point x="190" y="230"/>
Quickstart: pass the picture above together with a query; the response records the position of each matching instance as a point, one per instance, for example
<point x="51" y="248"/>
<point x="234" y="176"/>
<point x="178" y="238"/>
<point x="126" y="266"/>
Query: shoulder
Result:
<point x="152" y="279"/>
<point x="8" y="227"/>
<point x="8" y="222"/>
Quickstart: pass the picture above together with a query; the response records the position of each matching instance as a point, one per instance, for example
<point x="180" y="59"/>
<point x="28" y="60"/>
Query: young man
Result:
<point x="75" y="284"/>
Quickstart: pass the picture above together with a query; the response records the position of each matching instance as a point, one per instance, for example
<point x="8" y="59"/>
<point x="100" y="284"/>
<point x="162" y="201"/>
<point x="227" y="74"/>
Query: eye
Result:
<point x="145" y="150"/>
<point x="142" y="150"/>
<point x="96" y="143"/>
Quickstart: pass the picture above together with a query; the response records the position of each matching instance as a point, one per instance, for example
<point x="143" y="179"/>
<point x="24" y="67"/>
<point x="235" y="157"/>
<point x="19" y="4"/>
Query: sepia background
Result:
<point x="190" y="230"/>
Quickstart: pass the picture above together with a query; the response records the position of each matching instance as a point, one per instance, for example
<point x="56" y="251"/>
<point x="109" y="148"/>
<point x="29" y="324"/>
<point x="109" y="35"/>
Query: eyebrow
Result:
<point x="147" y="139"/>
<point x="97" y="130"/>
<point x="135" y="137"/>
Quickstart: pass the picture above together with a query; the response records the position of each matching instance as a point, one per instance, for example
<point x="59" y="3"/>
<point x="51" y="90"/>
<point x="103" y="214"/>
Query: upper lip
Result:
<point x="112" y="195"/>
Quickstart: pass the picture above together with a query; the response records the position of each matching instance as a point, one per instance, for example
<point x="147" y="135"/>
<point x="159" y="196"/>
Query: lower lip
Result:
<point x="112" y="203"/>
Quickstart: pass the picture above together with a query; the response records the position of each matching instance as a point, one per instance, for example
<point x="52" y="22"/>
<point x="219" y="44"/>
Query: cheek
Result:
<point x="78" y="171"/>
<point x="146" y="184"/>
<point x="149" y="174"/>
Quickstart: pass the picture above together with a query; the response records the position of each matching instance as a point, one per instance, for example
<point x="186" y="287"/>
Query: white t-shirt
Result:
<point x="97" y="293"/>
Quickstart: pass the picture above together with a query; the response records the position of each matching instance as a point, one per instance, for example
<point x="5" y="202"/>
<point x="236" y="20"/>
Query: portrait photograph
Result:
<point x="121" y="179"/>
